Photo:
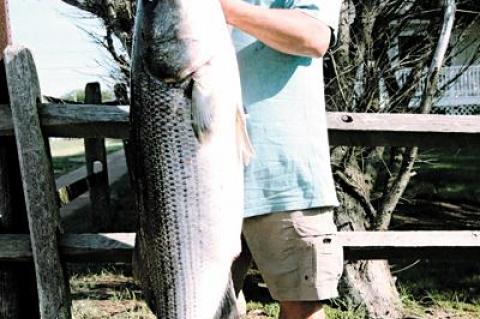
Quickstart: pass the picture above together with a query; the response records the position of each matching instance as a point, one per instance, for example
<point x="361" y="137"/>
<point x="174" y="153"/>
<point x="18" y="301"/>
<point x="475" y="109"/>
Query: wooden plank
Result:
<point x="5" y="32"/>
<point x="38" y="183"/>
<point x="18" y="291"/>
<point x="96" y="163"/>
<point x="421" y="123"/>
<point x="72" y="191"/>
<point x="424" y="130"/>
<point x="411" y="238"/>
<point x="116" y="173"/>
<point x="15" y="248"/>
<point x="411" y="244"/>
<point x="118" y="247"/>
<point x="72" y="185"/>
<point x="71" y="120"/>
<point x="75" y="120"/>
<point x="113" y="248"/>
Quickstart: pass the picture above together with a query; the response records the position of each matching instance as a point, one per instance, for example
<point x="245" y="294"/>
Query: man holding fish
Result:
<point x="289" y="189"/>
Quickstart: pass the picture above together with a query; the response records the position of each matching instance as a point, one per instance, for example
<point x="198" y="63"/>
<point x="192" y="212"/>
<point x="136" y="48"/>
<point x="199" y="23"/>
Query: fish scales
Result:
<point x="170" y="144"/>
<point x="188" y="144"/>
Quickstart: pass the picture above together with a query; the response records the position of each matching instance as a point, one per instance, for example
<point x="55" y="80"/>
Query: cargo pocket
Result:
<point x="323" y="263"/>
<point x="327" y="259"/>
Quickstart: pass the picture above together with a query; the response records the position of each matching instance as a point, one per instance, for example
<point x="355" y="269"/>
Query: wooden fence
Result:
<point x="31" y="123"/>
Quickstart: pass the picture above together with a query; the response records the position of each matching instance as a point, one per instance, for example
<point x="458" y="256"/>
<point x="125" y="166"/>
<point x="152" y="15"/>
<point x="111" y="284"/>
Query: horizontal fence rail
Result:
<point x="368" y="129"/>
<point x="118" y="247"/>
<point x="70" y="192"/>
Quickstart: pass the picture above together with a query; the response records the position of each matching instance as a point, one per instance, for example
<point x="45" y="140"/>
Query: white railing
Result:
<point x="467" y="84"/>
<point x="464" y="90"/>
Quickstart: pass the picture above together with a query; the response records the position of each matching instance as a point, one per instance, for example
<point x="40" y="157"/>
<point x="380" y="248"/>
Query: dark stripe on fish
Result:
<point x="166" y="175"/>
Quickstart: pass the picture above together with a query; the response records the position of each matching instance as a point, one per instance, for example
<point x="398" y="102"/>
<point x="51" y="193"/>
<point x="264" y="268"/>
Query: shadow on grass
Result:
<point x="447" y="174"/>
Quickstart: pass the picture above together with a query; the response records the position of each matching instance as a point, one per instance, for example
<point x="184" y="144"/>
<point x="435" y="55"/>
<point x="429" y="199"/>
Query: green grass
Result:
<point x="106" y="293"/>
<point x="340" y="309"/>
<point x="446" y="286"/>
<point x="268" y="310"/>
<point x="427" y="304"/>
<point x="454" y="304"/>
<point x="337" y="310"/>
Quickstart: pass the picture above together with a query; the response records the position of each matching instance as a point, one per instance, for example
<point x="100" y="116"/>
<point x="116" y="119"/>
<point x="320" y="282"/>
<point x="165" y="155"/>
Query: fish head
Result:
<point x="170" y="38"/>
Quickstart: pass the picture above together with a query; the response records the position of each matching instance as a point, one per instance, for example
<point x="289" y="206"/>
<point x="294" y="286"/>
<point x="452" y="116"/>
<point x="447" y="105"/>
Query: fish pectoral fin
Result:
<point x="203" y="110"/>
<point x="246" y="151"/>
<point x="204" y="103"/>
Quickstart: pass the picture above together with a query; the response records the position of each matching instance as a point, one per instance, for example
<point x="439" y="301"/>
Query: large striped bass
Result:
<point x="188" y="144"/>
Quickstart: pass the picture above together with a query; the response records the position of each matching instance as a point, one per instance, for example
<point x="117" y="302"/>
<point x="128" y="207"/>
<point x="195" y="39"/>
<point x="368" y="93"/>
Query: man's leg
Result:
<point x="299" y="258"/>
<point x="301" y="309"/>
<point x="288" y="309"/>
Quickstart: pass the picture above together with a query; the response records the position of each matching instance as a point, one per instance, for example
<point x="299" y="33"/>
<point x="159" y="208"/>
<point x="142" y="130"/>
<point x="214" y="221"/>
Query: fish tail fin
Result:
<point x="246" y="151"/>
<point x="228" y="306"/>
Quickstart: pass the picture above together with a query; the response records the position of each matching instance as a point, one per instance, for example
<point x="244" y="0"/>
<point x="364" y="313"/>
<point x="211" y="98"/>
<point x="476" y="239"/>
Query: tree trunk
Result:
<point x="370" y="283"/>
<point x="366" y="284"/>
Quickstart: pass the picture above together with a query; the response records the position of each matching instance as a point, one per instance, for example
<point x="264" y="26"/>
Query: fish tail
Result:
<point x="228" y="306"/>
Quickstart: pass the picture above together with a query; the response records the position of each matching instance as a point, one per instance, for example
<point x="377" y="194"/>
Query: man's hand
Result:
<point x="288" y="31"/>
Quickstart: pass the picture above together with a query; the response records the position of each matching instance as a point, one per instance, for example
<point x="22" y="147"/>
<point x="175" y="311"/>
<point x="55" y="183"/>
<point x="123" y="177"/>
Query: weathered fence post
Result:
<point x="38" y="184"/>
<point x="4" y="24"/>
<point x="97" y="170"/>
<point x="18" y="293"/>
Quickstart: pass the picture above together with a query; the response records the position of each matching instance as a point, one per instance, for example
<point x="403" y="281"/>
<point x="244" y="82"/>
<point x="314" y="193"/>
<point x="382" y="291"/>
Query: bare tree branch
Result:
<point x="391" y="199"/>
<point x="92" y="6"/>
<point x="359" y="193"/>
<point x="118" y="15"/>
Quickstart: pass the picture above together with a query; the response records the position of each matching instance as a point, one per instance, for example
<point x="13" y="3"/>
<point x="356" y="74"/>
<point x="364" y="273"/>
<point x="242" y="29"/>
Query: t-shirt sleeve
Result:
<point x="327" y="11"/>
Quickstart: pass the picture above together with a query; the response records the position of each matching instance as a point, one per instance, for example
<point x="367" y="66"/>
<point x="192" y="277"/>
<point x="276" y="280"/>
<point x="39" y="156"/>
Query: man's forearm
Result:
<point x="288" y="31"/>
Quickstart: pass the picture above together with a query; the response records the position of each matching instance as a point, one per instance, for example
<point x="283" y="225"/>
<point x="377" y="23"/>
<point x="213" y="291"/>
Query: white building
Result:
<point x="459" y="78"/>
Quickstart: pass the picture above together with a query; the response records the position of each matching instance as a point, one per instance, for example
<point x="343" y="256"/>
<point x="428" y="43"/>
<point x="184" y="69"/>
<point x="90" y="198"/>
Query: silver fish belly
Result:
<point x="188" y="146"/>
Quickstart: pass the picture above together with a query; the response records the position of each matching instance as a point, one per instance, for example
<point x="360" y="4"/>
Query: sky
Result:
<point x="65" y="55"/>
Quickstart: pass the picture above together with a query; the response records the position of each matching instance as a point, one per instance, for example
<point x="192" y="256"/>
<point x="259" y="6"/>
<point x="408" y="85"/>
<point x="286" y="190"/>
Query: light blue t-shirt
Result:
<point x="284" y="99"/>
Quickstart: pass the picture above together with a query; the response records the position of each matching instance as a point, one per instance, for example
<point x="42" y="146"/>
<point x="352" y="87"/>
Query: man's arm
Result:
<point x="288" y="31"/>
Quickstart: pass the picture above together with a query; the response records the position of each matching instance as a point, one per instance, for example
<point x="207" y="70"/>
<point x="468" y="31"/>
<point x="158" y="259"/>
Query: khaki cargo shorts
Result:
<point x="297" y="253"/>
